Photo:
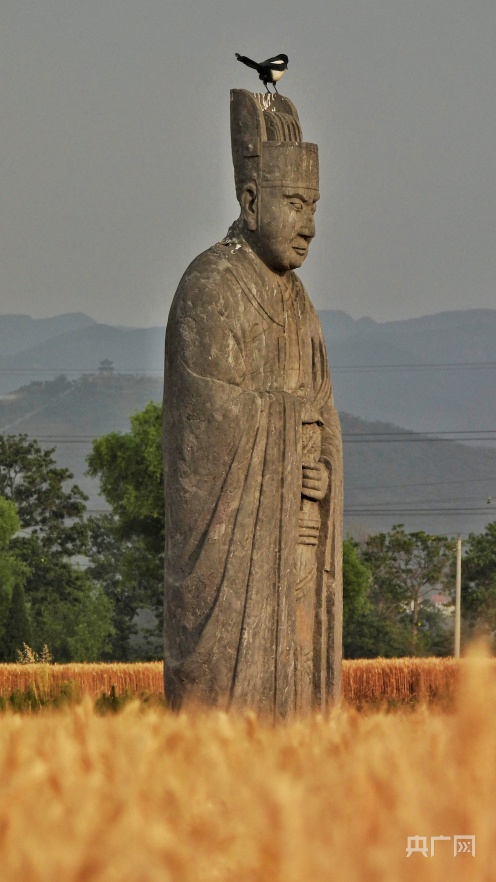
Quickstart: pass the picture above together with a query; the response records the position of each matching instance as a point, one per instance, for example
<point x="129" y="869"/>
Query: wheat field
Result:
<point x="365" y="681"/>
<point x="149" y="796"/>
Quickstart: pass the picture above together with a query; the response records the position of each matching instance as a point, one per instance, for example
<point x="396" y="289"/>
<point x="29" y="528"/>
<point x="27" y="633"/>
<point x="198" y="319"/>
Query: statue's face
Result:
<point x="284" y="225"/>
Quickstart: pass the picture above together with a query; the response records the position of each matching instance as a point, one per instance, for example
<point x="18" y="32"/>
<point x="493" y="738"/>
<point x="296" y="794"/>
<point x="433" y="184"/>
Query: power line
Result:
<point x="89" y="372"/>
<point x="427" y="366"/>
<point x="423" y="484"/>
<point x="414" y="438"/>
<point x="450" y="499"/>
<point x="449" y="366"/>
<point x="352" y="437"/>
<point x="401" y="432"/>
<point x="366" y="512"/>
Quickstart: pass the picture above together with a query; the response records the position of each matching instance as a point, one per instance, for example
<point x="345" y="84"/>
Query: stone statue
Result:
<point x="252" y="447"/>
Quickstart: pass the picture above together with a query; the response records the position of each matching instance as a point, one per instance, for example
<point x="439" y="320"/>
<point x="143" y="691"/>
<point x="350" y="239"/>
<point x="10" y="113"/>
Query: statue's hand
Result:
<point x="315" y="480"/>
<point x="310" y="414"/>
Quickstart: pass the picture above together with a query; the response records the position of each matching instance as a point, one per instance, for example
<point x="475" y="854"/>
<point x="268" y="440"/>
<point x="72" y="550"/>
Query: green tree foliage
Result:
<point x="51" y="511"/>
<point x="127" y="546"/>
<point x="406" y="568"/>
<point x="372" y="625"/>
<point x="53" y="531"/>
<point x="129" y="468"/>
<point x="358" y="636"/>
<point x="9" y="522"/>
<point x="131" y="576"/>
<point x="479" y="583"/>
<point x="18" y="631"/>
<point x="9" y="525"/>
<point x="12" y="572"/>
<point x="79" y="627"/>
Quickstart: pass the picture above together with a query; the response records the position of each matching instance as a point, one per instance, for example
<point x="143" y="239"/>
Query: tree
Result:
<point x="50" y="510"/>
<point x="78" y="628"/>
<point x="13" y="612"/>
<point x="371" y="626"/>
<point x="127" y="546"/>
<point x="357" y="609"/>
<point x="479" y="582"/>
<point x="406" y="567"/>
<point x="131" y="477"/>
<point x="9" y="524"/>
<point x="129" y="575"/>
<point x="18" y="631"/>
<point x="53" y="531"/>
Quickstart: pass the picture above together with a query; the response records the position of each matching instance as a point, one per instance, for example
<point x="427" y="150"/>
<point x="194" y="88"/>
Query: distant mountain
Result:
<point x="430" y="374"/>
<point x="20" y="332"/>
<point x="436" y="373"/>
<point x="68" y="415"/>
<point x="394" y="476"/>
<point x="77" y="350"/>
<point x="391" y="476"/>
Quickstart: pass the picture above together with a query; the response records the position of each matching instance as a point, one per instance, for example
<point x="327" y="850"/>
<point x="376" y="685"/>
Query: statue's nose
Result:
<point x="308" y="225"/>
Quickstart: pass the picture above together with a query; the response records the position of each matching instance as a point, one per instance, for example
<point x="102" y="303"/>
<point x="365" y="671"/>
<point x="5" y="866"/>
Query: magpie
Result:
<point x="268" y="71"/>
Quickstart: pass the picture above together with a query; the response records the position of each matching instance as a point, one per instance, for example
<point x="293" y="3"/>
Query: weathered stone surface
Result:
<point x="252" y="447"/>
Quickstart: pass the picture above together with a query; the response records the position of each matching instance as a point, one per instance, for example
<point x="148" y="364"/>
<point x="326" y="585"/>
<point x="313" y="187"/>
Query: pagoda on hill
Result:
<point x="106" y="368"/>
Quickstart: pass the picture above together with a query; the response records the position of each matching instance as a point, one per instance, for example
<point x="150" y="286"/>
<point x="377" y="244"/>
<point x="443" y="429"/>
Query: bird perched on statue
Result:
<point x="269" y="71"/>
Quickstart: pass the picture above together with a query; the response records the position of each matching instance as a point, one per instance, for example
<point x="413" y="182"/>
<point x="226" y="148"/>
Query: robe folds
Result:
<point x="245" y="368"/>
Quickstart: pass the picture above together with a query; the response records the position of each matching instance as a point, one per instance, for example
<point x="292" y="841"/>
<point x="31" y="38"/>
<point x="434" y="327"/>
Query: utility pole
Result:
<point x="458" y="596"/>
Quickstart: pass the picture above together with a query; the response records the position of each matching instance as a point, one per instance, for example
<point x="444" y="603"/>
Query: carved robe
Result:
<point x="252" y="587"/>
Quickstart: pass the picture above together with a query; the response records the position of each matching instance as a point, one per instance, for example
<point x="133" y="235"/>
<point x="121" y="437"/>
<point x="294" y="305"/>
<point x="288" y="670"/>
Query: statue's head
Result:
<point x="276" y="176"/>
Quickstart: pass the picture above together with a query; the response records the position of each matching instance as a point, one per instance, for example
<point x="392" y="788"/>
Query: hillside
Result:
<point x="18" y="333"/>
<point x="391" y="476"/>
<point x="68" y="415"/>
<point x="430" y="374"/>
<point x="79" y="350"/>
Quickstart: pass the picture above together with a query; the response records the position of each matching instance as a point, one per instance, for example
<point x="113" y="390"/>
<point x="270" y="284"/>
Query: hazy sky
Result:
<point x="115" y="151"/>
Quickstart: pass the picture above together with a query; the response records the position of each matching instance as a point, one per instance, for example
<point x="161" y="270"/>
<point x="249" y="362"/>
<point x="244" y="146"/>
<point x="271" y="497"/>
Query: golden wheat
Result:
<point x="149" y="796"/>
<point x="400" y="679"/>
<point x="364" y="681"/>
<point x="86" y="679"/>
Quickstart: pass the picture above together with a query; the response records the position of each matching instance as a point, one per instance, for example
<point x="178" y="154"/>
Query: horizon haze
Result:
<point x="115" y="150"/>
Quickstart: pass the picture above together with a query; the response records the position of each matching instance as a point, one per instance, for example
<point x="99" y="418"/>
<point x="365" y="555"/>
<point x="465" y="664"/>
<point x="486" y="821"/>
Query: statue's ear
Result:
<point x="249" y="206"/>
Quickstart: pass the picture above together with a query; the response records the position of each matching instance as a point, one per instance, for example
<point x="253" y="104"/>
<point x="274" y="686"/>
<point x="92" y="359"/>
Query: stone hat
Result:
<point x="267" y="145"/>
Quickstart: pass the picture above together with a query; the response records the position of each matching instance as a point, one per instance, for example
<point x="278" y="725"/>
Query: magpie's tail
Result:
<point x="247" y="61"/>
